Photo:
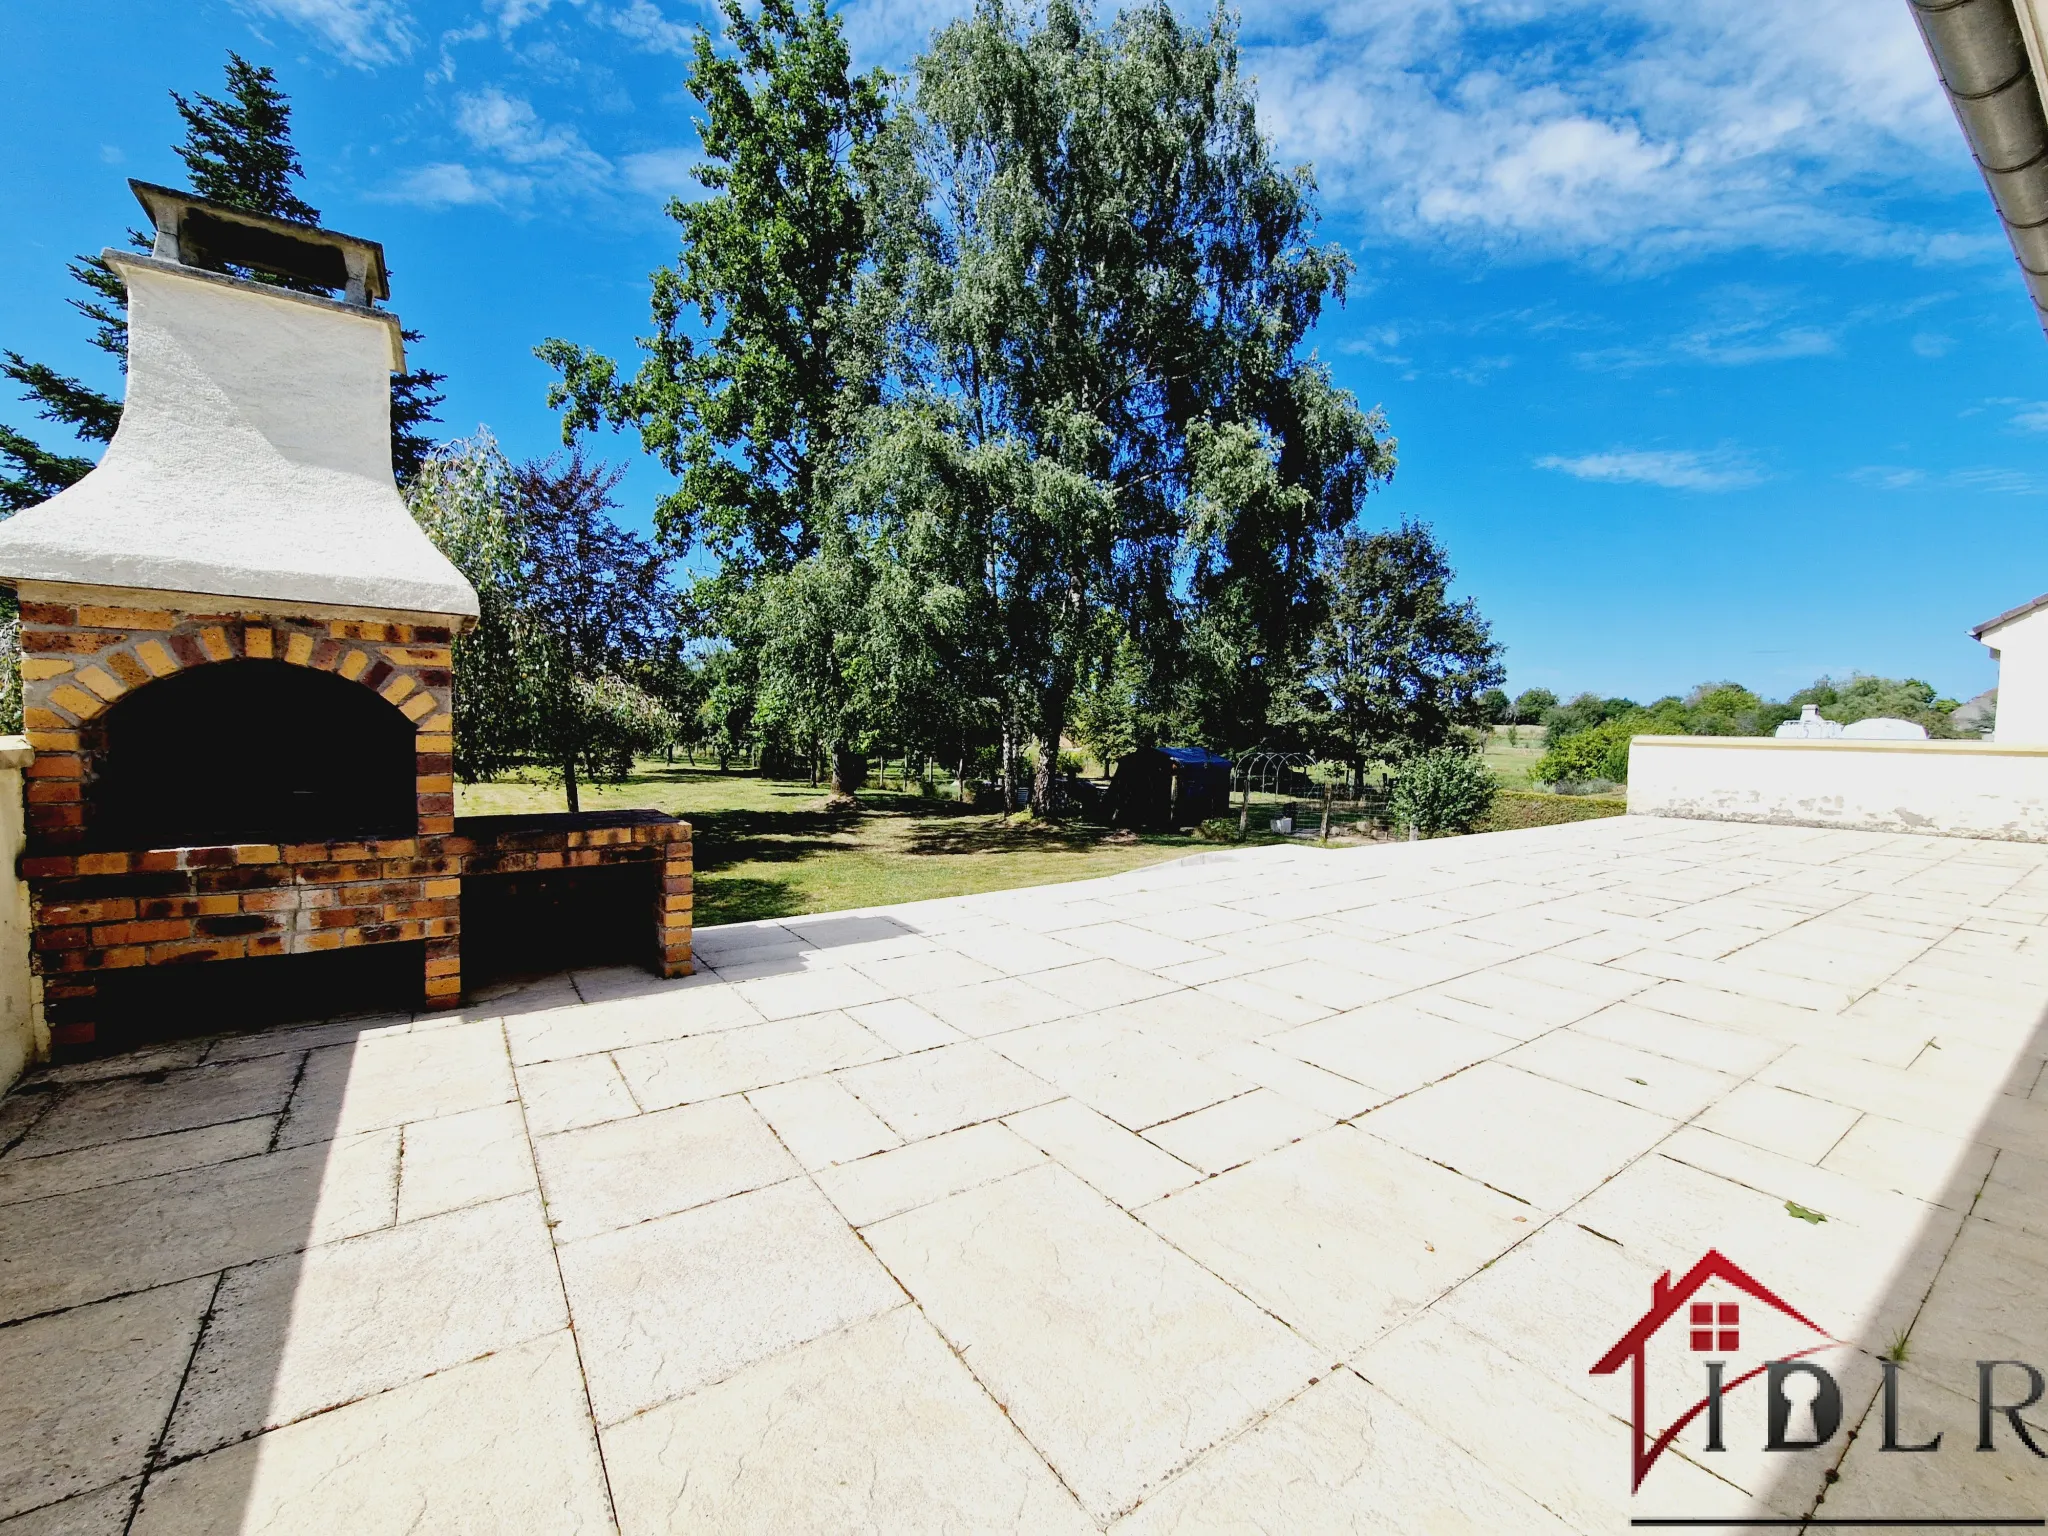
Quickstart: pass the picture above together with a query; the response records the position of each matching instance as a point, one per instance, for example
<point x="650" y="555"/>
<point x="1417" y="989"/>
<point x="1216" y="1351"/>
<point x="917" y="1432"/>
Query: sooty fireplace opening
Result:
<point x="250" y="751"/>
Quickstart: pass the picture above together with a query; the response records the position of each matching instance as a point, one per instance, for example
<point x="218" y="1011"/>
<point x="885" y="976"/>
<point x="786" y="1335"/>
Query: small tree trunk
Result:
<point x="960" y="780"/>
<point x="1048" y="793"/>
<point x="1327" y="788"/>
<point x="1244" y="809"/>
<point x="846" y="769"/>
<point x="569" y="784"/>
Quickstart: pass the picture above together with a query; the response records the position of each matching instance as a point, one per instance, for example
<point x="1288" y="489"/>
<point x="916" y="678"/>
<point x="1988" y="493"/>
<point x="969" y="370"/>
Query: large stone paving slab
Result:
<point x="1281" y="1190"/>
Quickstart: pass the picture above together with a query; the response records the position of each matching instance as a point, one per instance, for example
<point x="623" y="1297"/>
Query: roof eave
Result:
<point x="1988" y="54"/>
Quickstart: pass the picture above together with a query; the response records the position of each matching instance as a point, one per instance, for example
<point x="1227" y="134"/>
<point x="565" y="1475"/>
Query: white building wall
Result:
<point x="22" y="1040"/>
<point x="1941" y="788"/>
<point x="2022" y="651"/>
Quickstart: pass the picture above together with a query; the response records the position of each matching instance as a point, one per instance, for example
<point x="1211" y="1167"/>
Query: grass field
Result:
<point x="771" y="848"/>
<point x="1511" y="760"/>
<point x="774" y="848"/>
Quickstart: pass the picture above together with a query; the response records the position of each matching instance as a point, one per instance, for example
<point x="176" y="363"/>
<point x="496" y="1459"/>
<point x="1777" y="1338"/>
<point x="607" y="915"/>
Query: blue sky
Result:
<point x="1692" y="318"/>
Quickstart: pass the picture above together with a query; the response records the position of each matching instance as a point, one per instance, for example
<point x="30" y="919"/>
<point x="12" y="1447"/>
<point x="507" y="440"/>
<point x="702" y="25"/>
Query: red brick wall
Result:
<point x="97" y="911"/>
<point x="79" y="660"/>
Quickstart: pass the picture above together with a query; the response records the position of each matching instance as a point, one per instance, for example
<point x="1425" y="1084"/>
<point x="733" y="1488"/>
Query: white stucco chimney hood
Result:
<point x="253" y="458"/>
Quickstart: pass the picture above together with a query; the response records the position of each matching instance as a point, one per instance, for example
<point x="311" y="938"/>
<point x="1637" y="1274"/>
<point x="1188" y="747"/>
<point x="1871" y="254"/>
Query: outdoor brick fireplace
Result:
<point x="237" y="664"/>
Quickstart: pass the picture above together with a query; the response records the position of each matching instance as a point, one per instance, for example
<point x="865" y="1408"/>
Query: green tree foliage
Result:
<point x="1531" y="703"/>
<point x="465" y="500"/>
<point x="1494" y="707"/>
<point x="238" y="151"/>
<point x="1445" y="789"/>
<point x="1715" y="709"/>
<point x="1588" y="738"/>
<point x="573" y="608"/>
<point x="1582" y="713"/>
<point x="1598" y="751"/>
<point x="596" y="600"/>
<point x="1099" y="390"/>
<point x="748" y="412"/>
<point x="1865" y="697"/>
<point x="1397" y="663"/>
<point x="747" y="415"/>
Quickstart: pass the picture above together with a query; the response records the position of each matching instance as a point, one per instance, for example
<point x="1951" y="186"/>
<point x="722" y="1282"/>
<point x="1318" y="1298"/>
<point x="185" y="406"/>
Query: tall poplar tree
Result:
<point x="237" y="151"/>
<point x="1105" y="387"/>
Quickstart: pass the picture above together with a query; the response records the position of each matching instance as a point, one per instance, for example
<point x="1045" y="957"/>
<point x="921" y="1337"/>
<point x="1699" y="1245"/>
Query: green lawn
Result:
<point x="1511" y="760"/>
<point x="774" y="848"/>
<point x="770" y="848"/>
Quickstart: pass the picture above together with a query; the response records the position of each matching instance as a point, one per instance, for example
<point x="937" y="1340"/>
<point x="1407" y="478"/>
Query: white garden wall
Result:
<point x="1942" y="788"/>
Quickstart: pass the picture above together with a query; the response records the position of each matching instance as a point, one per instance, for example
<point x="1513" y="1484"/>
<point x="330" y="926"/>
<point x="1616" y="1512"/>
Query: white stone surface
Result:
<point x="875" y="1427"/>
<point x="672" y="1305"/>
<point x="894" y="1265"/>
<point x="1943" y="788"/>
<point x="253" y="459"/>
<point x="501" y="1444"/>
<point x="1117" y="1356"/>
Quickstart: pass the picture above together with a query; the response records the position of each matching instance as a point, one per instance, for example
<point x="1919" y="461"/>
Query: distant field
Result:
<point x="1511" y="751"/>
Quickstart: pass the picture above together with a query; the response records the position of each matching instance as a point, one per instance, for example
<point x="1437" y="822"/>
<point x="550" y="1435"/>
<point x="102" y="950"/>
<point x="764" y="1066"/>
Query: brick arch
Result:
<point x="113" y="673"/>
<point x="79" y="661"/>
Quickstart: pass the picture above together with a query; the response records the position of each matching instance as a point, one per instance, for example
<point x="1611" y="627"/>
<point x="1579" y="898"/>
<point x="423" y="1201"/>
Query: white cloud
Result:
<point x="364" y="32"/>
<point x="2034" y="418"/>
<point x="1888" y="477"/>
<point x="514" y="14"/>
<point x="531" y="155"/>
<point x="664" y="172"/>
<point x="2005" y="482"/>
<point x="1998" y="482"/>
<point x="646" y="24"/>
<point x="1759" y="346"/>
<point x="1675" y="469"/>
<point x="447" y="184"/>
<point x="1633" y="132"/>
<point x="508" y="127"/>
<point x="1640" y="130"/>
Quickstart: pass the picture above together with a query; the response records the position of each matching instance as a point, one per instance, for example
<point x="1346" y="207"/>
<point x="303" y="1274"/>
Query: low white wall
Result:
<point x="1941" y="788"/>
<point x="22" y="1039"/>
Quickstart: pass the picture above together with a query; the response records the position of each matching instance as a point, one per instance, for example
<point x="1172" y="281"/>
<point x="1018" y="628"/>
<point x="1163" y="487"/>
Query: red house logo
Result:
<point x="1712" y="1327"/>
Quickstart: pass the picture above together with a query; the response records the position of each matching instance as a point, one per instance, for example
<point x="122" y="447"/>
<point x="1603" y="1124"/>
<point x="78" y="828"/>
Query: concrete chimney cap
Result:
<point x="210" y="236"/>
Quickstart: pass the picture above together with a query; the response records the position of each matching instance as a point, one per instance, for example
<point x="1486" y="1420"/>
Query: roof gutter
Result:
<point x="1989" y="56"/>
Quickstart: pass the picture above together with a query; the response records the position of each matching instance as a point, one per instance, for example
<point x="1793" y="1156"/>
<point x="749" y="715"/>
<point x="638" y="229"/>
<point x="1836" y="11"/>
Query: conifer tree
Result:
<point x="237" y="151"/>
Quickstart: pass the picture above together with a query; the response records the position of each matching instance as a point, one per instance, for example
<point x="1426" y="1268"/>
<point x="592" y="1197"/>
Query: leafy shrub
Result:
<point x="1514" y="810"/>
<point x="1583" y="713"/>
<point x="1444" y="790"/>
<point x="1598" y="752"/>
<point x="1218" y="829"/>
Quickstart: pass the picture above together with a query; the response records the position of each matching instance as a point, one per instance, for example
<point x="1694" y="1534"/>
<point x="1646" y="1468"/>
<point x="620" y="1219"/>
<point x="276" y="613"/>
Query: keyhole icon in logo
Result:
<point x="1805" y="1405"/>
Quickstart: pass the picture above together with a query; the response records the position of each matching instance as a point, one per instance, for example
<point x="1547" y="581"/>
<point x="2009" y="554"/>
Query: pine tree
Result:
<point x="238" y="151"/>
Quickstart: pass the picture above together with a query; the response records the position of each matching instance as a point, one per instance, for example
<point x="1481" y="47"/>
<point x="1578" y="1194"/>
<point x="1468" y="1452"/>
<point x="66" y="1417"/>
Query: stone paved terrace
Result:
<point x="1285" y="1191"/>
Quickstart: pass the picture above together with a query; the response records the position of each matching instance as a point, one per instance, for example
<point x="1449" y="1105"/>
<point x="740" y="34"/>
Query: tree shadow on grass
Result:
<point x="725" y="838"/>
<point x="744" y="899"/>
<point x="970" y="833"/>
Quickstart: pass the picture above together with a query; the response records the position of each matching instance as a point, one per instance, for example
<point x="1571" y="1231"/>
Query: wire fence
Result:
<point x="1272" y="792"/>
